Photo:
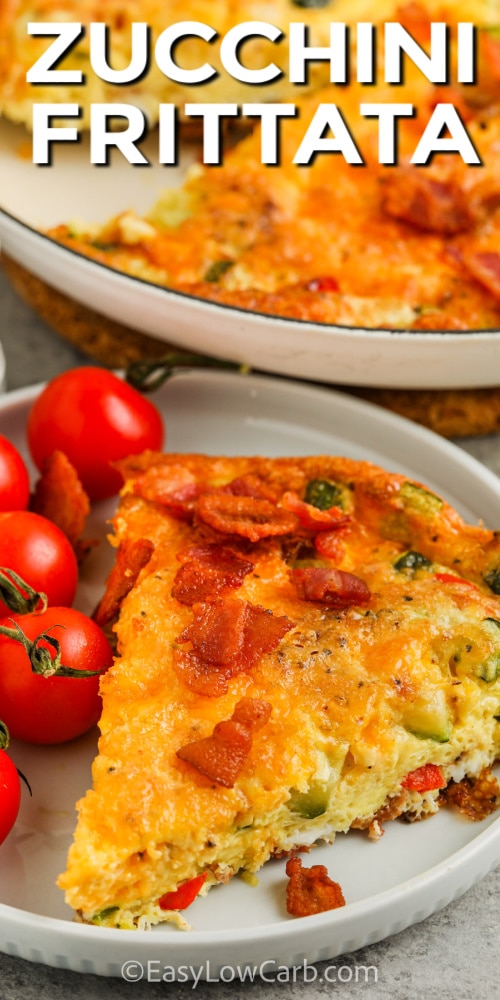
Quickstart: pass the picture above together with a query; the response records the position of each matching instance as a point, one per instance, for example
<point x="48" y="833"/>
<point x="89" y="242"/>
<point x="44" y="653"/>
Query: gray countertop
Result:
<point x="453" y="954"/>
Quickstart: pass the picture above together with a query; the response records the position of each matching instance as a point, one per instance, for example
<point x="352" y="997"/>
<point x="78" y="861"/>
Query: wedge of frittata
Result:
<point x="305" y="646"/>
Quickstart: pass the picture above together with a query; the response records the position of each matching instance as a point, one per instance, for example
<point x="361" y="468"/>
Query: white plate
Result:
<point x="71" y="188"/>
<point x="413" y="871"/>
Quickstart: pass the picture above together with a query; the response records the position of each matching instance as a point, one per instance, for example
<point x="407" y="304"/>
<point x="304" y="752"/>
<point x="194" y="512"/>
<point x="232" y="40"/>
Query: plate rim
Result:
<point x="442" y="871"/>
<point x="440" y="876"/>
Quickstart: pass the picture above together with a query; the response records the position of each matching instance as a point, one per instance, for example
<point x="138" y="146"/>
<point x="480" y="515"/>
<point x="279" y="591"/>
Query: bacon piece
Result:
<point x="222" y="756"/>
<point x="227" y="637"/>
<point x="415" y="18"/>
<point x="485" y="268"/>
<point x="173" y="486"/>
<point x="477" y="797"/>
<point x="411" y="195"/>
<point x="217" y="632"/>
<point x="250" y="486"/>
<point x="312" y="517"/>
<point x="332" y="587"/>
<point x="330" y="544"/>
<point x="424" y="779"/>
<point x="131" y="558"/>
<point x="60" y="497"/>
<point x="206" y="571"/>
<point x="246" y="516"/>
<point x="203" y="678"/>
<point x="310" y="890"/>
<point x="233" y="633"/>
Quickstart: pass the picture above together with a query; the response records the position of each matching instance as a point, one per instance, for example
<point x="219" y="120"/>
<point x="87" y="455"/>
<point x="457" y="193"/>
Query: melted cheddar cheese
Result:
<point x="360" y="694"/>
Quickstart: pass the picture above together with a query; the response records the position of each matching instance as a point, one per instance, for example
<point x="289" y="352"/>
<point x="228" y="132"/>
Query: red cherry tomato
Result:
<point x="95" y="419"/>
<point x="14" y="480"/>
<point x="10" y="795"/>
<point x="38" y="552"/>
<point x="54" y="709"/>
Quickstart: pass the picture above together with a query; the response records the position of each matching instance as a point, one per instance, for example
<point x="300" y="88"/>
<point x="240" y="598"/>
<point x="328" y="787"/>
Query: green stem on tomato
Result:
<point x="18" y="595"/>
<point x="4" y="736"/>
<point x="4" y="742"/>
<point x="41" y="659"/>
<point x="150" y="375"/>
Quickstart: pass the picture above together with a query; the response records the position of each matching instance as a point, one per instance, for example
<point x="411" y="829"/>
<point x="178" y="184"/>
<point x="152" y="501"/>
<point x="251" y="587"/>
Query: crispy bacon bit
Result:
<point x="217" y="632"/>
<point x="233" y="633"/>
<point x="424" y="779"/>
<point x="246" y="516"/>
<point x="227" y="637"/>
<point x="203" y="678"/>
<point x="330" y="586"/>
<point x="325" y="284"/>
<point x="206" y="571"/>
<point x="60" y="497"/>
<point x="222" y="756"/>
<point x="477" y="797"/>
<point x="485" y="268"/>
<point x="173" y="486"/>
<point x="411" y="195"/>
<point x="250" y="486"/>
<point x="131" y="558"/>
<point x="310" y="890"/>
<point x="312" y="517"/>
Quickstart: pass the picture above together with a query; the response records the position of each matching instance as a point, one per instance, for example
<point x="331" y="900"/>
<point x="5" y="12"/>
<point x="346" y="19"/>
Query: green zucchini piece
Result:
<point x="323" y="494"/>
<point x="104" y="915"/>
<point x="309" y="804"/>
<point x="217" y="270"/>
<point x="419" y="499"/>
<point x="412" y="560"/>
<point x="489" y="670"/>
<point x="493" y="580"/>
<point x="429" y="719"/>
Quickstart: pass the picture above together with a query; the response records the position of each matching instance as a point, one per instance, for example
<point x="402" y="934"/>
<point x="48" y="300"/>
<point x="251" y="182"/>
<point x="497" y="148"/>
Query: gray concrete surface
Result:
<point x="453" y="955"/>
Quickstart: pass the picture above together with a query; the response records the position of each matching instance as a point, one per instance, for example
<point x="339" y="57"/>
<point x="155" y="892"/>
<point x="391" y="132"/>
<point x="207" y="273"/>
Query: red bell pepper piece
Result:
<point x="182" y="897"/>
<point x="424" y="779"/>
<point x="449" y="578"/>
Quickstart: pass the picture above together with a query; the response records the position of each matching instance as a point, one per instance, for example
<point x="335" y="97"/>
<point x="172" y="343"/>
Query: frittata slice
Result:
<point x="301" y="637"/>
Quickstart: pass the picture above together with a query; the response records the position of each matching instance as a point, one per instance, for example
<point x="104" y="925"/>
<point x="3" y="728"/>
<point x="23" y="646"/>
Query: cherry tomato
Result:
<point x="14" y="480"/>
<point x="38" y="552"/>
<point x="52" y="709"/>
<point x="10" y="795"/>
<point x="95" y="419"/>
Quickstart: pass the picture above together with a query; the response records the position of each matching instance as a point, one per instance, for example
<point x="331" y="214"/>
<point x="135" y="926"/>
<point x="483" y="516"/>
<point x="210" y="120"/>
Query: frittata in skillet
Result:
<point x="400" y="247"/>
<point x="305" y="646"/>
